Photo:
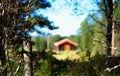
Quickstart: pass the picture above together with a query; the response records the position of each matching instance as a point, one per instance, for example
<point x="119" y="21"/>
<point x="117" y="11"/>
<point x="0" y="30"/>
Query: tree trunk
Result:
<point x="109" y="9"/>
<point x="113" y="30"/>
<point x="27" y="58"/>
<point x="3" y="72"/>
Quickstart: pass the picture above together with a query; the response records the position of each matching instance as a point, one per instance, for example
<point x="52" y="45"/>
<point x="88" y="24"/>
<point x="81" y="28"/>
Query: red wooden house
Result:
<point x="65" y="44"/>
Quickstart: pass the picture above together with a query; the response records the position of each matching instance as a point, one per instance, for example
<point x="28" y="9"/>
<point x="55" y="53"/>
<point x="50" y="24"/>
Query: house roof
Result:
<point x="64" y="41"/>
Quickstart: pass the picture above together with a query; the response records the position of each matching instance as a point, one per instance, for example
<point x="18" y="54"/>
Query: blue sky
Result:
<point x="62" y="14"/>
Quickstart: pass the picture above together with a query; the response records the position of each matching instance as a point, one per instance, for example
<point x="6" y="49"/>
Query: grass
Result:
<point x="70" y="55"/>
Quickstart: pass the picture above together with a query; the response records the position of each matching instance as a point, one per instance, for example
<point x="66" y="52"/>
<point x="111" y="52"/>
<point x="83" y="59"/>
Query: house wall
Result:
<point x="66" y="46"/>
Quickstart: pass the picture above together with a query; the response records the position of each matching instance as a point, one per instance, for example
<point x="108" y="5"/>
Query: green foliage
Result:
<point x="85" y="35"/>
<point x="117" y="24"/>
<point x="40" y="43"/>
<point x="92" y="35"/>
<point x="52" y="40"/>
<point x="93" y="67"/>
<point x="74" y="38"/>
<point x="43" y="69"/>
<point x="44" y="64"/>
<point x="3" y="67"/>
<point x="117" y="11"/>
<point x="99" y="34"/>
<point x="68" y="55"/>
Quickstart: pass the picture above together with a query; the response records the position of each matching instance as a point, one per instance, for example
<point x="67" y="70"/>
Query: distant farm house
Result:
<point x="65" y="44"/>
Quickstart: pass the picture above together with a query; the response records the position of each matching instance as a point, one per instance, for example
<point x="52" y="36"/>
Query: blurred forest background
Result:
<point x="21" y="54"/>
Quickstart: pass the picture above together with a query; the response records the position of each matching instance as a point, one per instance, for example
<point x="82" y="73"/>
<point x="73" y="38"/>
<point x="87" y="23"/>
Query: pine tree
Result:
<point x="16" y="23"/>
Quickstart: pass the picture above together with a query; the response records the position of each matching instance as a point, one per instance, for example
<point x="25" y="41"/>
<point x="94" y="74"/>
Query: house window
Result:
<point x="61" y="47"/>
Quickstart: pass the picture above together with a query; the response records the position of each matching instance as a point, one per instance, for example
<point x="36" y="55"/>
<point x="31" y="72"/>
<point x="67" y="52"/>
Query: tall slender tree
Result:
<point x="109" y="12"/>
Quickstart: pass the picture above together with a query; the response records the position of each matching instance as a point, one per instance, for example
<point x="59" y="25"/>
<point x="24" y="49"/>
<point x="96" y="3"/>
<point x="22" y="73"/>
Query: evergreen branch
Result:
<point x="19" y="64"/>
<point x="102" y="32"/>
<point x="103" y="43"/>
<point x="110" y="69"/>
<point x="98" y="21"/>
<point x="17" y="68"/>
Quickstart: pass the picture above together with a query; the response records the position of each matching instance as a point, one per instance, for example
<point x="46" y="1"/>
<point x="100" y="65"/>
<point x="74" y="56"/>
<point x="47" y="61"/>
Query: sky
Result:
<point x="67" y="23"/>
<point x="63" y="16"/>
